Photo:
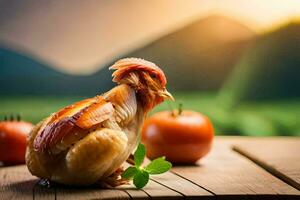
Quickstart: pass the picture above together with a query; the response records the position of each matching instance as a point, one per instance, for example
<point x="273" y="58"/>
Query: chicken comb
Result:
<point x="127" y="65"/>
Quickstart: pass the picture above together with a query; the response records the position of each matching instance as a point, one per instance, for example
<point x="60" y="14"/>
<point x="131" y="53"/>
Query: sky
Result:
<point x="79" y="36"/>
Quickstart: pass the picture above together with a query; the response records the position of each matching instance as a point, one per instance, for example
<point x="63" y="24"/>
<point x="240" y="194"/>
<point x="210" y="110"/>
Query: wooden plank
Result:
<point x="280" y="156"/>
<point x="156" y="188"/>
<point x="222" y="174"/>
<point x="17" y="183"/>
<point x="182" y="186"/>
<point x="168" y="183"/>
<point x="229" y="175"/>
<point x="152" y="190"/>
<point x="41" y="192"/>
<point x="91" y="194"/>
<point x="133" y="192"/>
<point x="68" y="193"/>
<point x="158" y="191"/>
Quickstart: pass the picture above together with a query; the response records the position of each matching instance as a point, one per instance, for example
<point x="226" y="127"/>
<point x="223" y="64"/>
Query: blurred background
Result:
<point x="236" y="61"/>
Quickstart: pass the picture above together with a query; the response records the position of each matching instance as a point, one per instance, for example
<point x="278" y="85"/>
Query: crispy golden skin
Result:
<point x="88" y="141"/>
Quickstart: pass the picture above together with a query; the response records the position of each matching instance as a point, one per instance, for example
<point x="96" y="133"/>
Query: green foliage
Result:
<point x="141" y="179"/>
<point x="261" y="118"/>
<point x="158" y="166"/>
<point x="140" y="174"/>
<point x="34" y="108"/>
<point x="139" y="155"/>
<point x="129" y="173"/>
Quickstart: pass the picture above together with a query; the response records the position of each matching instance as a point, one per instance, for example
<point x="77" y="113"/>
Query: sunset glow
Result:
<point x="81" y="37"/>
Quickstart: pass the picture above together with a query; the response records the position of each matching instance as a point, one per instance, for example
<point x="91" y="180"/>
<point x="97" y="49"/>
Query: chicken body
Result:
<point x="89" y="140"/>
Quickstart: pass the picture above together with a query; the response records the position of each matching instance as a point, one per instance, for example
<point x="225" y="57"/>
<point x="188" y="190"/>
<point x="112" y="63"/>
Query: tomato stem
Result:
<point x="180" y="108"/>
<point x="171" y="109"/>
<point x="175" y="112"/>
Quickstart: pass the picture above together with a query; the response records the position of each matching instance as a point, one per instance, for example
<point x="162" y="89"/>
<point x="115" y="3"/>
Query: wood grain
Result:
<point x="158" y="191"/>
<point x="90" y="193"/>
<point x="182" y="186"/>
<point x="223" y="174"/>
<point x="172" y="183"/>
<point x="134" y="193"/>
<point x="44" y="193"/>
<point x="229" y="175"/>
<point x="18" y="183"/>
<point x="279" y="156"/>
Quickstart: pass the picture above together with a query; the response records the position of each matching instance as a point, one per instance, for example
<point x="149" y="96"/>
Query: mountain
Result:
<point x="22" y="75"/>
<point x="201" y="55"/>
<point x="198" y="56"/>
<point x="269" y="69"/>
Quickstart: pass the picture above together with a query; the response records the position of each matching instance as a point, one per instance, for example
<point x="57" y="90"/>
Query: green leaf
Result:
<point x="141" y="175"/>
<point x="139" y="155"/>
<point x="141" y="179"/>
<point x="158" y="166"/>
<point x="129" y="172"/>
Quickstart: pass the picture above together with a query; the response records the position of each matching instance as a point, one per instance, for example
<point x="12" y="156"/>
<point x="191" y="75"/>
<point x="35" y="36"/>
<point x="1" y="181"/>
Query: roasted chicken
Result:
<point x="88" y="141"/>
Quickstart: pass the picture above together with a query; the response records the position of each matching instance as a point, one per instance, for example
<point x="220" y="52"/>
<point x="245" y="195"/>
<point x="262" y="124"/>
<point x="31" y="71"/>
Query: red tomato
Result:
<point x="184" y="138"/>
<point x="13" y="136"/>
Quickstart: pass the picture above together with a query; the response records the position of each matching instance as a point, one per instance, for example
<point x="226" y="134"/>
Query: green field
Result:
<point x="264" y="118"/>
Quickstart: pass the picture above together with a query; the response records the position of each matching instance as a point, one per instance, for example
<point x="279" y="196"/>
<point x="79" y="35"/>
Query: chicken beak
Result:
<point x="166" y="95"/>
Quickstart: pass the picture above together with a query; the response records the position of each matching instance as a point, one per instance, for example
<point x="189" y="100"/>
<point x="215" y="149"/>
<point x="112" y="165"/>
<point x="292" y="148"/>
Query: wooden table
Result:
<point x="236" y="168"/>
